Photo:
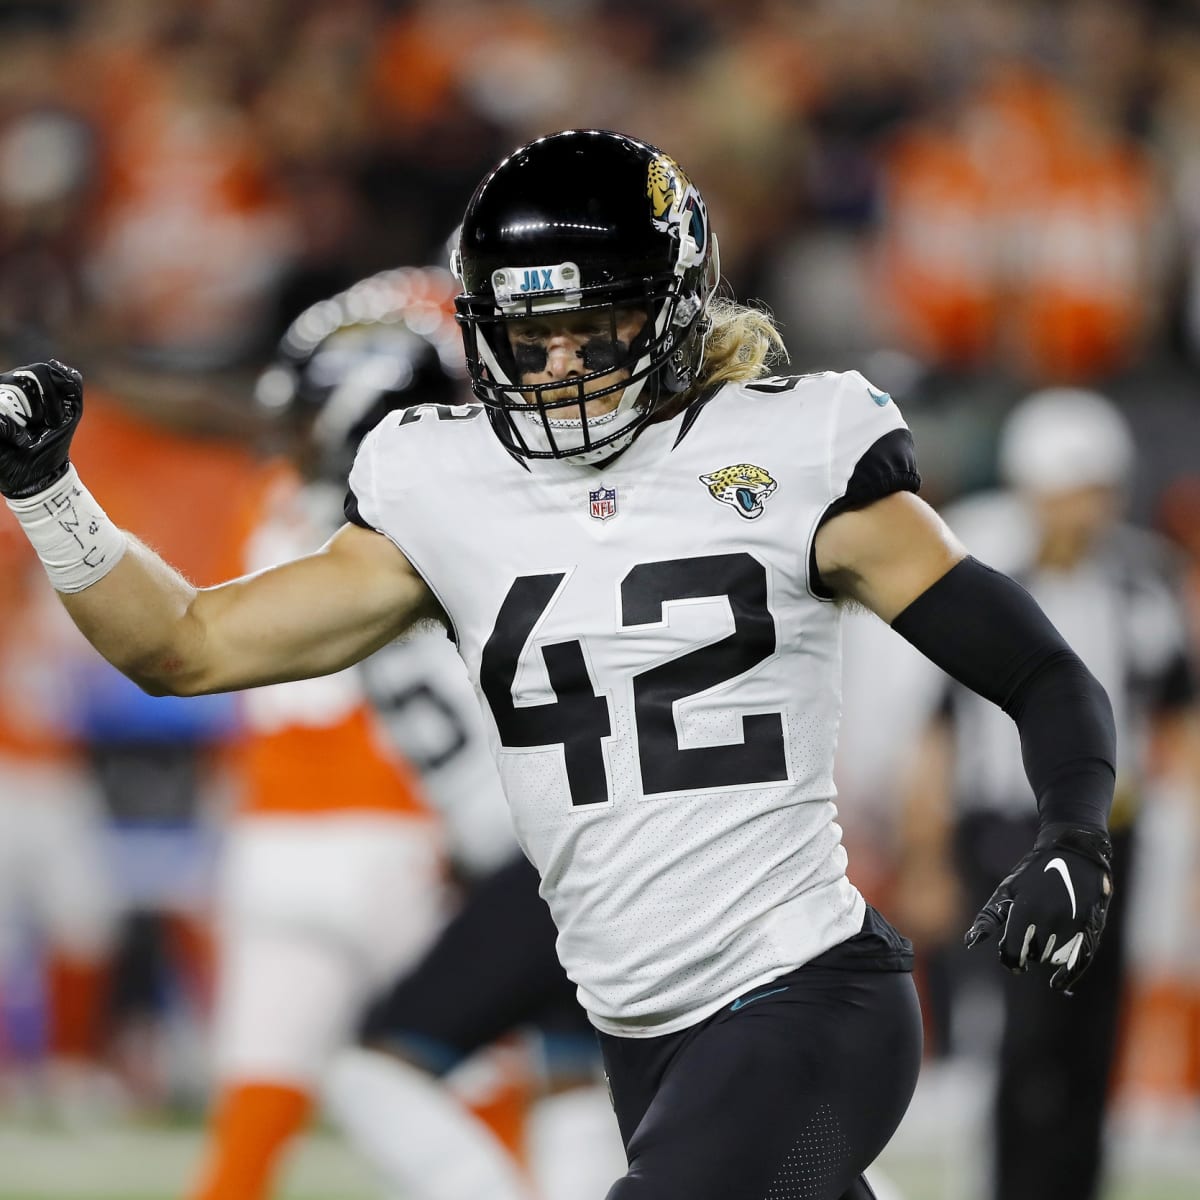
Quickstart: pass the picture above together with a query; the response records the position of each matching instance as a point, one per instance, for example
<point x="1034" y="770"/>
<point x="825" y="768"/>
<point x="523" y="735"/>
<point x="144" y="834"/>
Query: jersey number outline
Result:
<point x="772" y="385"/>
<point x="578" y="718"/>
<point x="443" y="412"/>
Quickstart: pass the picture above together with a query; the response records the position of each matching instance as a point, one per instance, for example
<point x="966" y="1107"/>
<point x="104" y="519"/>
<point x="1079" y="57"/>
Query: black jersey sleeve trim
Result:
<point x="353" y="515"/>
<point x="890" y="465"/>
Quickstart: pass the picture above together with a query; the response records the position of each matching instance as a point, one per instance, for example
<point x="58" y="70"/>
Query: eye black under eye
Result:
<point x="603" y="354"/>
<point x="530" y="357"/>
<point x="598" y="354"/>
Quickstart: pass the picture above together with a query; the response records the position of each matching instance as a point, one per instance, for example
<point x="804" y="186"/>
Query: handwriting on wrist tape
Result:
<point x="61" y="507"/>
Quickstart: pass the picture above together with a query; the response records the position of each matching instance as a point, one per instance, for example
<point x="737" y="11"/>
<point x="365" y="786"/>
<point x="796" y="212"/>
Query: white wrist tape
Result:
<point x="72" y="534"/>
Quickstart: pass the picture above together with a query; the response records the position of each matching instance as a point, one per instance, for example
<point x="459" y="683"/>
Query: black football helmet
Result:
<point x="385" y="343"/>
<point x="585" y="220"/>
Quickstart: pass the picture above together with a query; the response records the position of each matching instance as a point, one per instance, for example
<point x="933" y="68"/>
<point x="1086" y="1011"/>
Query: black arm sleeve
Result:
<point x="987" y="632"/>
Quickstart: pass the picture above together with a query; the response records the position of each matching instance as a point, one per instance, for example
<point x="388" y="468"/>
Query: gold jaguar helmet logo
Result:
<point x="676" y="206"/>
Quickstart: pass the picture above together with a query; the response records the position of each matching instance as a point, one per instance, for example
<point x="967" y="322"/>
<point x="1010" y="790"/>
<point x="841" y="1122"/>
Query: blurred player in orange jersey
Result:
<point x="157" y="760"/>
<point x="53" y="880"/>
<point x="333" y="874"/>
<point x="51" y="858"/>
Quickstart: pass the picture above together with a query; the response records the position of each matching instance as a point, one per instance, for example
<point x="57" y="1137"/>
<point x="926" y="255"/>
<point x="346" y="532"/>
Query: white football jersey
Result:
<point x="659" y="677"/>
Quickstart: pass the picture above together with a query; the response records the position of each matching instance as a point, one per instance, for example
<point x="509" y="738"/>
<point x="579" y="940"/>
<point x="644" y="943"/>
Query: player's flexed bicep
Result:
<point x="308" y="617"/>
<point x="886" y="554"/>
<point x="311" y="616"/>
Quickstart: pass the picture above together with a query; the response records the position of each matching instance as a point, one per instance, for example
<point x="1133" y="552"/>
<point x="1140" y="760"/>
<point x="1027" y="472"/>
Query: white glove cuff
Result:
<point x="72" y="534"/>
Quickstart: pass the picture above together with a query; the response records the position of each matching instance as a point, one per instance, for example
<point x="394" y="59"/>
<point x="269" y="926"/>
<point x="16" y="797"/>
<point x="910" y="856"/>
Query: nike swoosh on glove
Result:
<point x="1051" y="908"/>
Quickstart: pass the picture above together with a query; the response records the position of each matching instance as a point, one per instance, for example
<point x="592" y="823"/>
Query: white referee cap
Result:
<point x="1064" y="438"/>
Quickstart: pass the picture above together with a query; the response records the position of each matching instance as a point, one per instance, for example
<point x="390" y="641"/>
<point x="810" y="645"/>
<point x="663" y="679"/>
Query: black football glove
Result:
<point x="40" y="405"/>
<point x="1051" y="909"/>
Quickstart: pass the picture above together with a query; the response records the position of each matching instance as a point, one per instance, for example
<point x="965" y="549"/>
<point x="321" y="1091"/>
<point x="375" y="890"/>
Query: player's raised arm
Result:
<point x="899" y="559"/>
<point x="308" y="617"/>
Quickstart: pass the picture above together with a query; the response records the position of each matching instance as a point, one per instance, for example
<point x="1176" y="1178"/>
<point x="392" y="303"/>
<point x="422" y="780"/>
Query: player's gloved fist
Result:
<point x="1051" y="909"/>
<point x="40" y="405"/>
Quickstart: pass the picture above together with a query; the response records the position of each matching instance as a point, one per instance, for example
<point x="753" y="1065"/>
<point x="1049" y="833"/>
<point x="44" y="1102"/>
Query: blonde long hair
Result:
<point x="743" y="343"/>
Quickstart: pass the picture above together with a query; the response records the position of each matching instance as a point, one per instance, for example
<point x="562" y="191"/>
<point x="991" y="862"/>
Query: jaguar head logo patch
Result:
<point x="743" y="486"/>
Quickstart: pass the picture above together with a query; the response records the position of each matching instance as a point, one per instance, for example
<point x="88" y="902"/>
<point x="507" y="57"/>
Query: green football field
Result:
<point x="938" y="1154"/>
<point x="155" y="1164"/>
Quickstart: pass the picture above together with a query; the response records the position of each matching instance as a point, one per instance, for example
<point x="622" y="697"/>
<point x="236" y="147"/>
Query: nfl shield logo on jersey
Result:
<point x="602" y="503"/>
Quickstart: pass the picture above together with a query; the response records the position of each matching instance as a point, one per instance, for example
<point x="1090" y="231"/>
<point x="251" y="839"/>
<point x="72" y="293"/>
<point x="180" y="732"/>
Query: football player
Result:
<point x="638" y="540"/>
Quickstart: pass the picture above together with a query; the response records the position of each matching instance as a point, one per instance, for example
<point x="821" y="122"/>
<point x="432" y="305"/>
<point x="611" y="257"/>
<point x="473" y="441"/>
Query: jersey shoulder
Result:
<point x="410" y="449"/>
<point x="833" y="419"/>
<point x="410" y="430"/>
<point x="839" y="400"/>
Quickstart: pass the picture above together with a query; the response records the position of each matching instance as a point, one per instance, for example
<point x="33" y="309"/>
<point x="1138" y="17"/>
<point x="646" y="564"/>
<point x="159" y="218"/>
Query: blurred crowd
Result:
<point x="966" y="200"/>
<point x="977" y="185"/>
<point x="1000" y="194"/>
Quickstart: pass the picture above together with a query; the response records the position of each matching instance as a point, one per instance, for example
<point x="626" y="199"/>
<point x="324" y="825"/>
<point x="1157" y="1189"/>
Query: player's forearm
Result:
<point x="139" y="617"/>
<point x="128" y="603"/>
<point x="310" y="616"/>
